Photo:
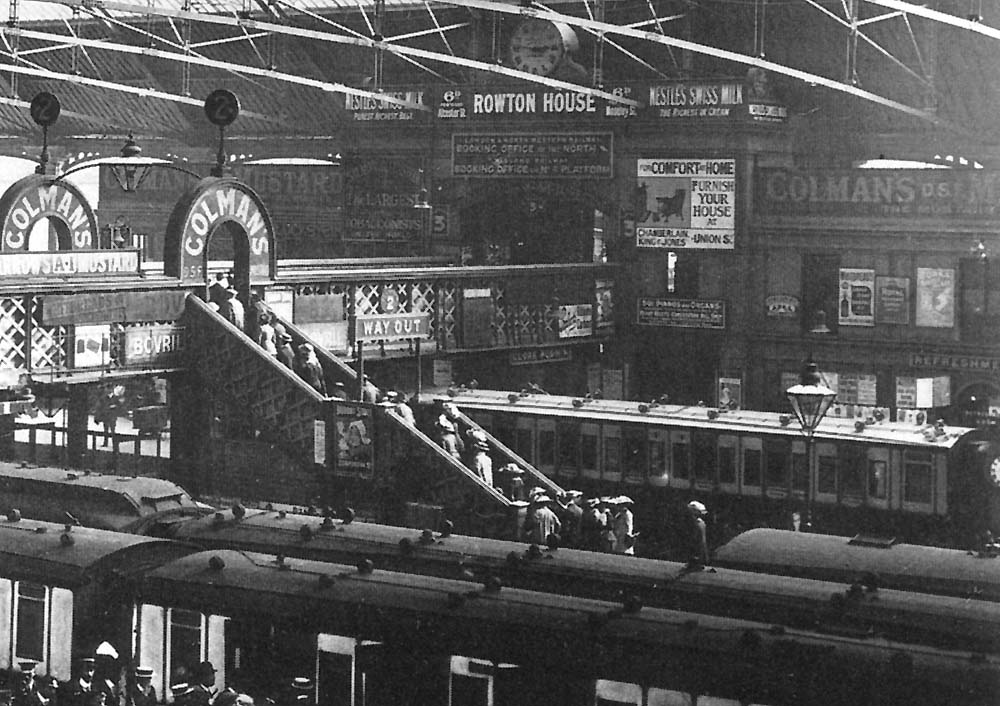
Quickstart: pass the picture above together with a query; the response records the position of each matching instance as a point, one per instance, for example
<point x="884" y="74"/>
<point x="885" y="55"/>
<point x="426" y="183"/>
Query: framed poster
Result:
<point x="892" y="300"/>
<point x="856" y="302"/>
<point x="935" y="297"/>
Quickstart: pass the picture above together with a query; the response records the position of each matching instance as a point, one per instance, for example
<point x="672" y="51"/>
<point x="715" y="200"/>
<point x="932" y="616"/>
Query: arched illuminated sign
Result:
<point x="37" y="196"/>
<point x="212" y="202"/>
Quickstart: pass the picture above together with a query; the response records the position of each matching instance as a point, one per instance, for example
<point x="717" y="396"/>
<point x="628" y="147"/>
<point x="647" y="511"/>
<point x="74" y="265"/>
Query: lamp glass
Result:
<point x="810" y="399"/>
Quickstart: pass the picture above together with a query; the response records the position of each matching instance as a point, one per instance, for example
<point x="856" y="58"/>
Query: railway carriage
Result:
<point x="929" y="484"/>
<point x="135" y="504"/>
<point x="367" y="637"/>
<point x="908" y="567"/>
<point x="830" y="605"/>
<point x="63" y="589"/>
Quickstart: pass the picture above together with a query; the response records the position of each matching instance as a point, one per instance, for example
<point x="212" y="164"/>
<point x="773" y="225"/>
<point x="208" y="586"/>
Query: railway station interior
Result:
<point x="638" y="201"/>
<point x="336" y="336"/>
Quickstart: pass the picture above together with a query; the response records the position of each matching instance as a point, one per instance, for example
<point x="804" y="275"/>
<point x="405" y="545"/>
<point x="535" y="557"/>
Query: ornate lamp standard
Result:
<point x="810" y="401"/>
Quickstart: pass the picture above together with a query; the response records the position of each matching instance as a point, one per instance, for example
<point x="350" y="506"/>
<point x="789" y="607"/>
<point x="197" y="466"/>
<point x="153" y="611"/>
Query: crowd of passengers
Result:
<point x="102" y="680"/>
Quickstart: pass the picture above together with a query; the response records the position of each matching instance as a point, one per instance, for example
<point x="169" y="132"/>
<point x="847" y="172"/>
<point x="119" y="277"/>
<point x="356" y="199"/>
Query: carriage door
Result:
<point x="680" y="458"/>
<point x="611" y="443"/>
<point x="659" y="461"/>
<point x="634" y="461"/>
<point x="589" y="450"/>
<point x="335" y="670"/>
<point x="751" y="465"/>
<point x="877" y="482"/>
<point x="825" y="476"/>
<point x="524" y="440"/>
<point x="726" y="449"/>
<point x="546" y="461"/>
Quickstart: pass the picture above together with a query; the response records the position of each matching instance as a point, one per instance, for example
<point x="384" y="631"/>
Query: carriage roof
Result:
<point x="834" y="558"/>
<point x="59" y="555"/>
<point x="832" y="428"/>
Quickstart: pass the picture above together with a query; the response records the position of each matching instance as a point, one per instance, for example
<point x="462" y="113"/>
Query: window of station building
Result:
<point x="682" y="274"/>
<point x="979" y="298"/>
<point x="30" y="636"/>
<point x="918" y="477"/>
<point x="820" y="281"/>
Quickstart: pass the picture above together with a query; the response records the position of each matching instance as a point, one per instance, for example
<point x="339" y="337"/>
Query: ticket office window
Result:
<point x="704" y="460"/>
<point x="590" y="450"/>
<point x="751" y="470"/>
<point x="827" y="462"/>
<point x="877" y="481"/>
<point x="659" y="461"/>
<point x="680" y="458"/>
<point x="918" y="480"/>
<point x="524" y="443"/>
<point x="634" y="461"/>
<point x="611" y="446"/>
<point x="569" y="449"/>
<point x="546" y="446"/>
<point x="777" y="467"/>
<point x="726" y="450"/>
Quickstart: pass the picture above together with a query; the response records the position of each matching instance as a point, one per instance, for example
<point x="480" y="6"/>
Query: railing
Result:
<point x="126" y="452"/>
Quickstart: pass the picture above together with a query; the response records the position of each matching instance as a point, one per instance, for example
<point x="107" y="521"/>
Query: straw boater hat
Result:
<point x="444" y="423"/>
<point x="541" y="499"/>
<point x="696" y="508"/>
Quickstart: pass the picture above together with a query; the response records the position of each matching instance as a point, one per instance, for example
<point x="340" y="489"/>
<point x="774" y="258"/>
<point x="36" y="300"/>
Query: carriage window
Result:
<point x="681" y="457"/>
<point x="918" y="474"/>
<point x="612" y="454"/>
<point x="727" y="464"/>
<point x="776" y="459"/>
<point x="826" y="475"/>
<point x="878" y="480"/>
<point x="546" y="447"/>
<point x="185" y="643"/>
<point x="569" y="448"/>
<point x="30" y="640"/>
<point x="505" y="431"/>
<point x="588" y="450"/>
<point x="704" y="457"/>
<point x="800" y="471"/>
<point x="852" y="474"/>
<point x="751" y="466"/>
<point x="658" y="459"/>
<point x="616" y="693"/>
<point x="633" y="458"/>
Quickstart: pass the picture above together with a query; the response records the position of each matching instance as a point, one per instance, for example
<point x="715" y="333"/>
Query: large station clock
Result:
<point x="538" y="46"/>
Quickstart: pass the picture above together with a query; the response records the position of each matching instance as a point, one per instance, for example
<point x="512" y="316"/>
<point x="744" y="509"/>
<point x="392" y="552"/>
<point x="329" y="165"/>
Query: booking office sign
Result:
<point x="686" y="204"/>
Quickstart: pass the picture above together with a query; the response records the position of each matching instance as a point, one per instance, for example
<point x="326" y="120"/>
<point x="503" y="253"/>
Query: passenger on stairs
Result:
<point x="285" y="352"/>
<point x="339" y="391"/>
<point x="307" y="365"/>
<point x="266" y="335"/>
<point x="399" y="406"/>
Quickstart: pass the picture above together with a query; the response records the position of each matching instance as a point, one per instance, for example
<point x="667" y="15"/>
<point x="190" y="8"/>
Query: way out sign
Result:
<point x="391" y="327"/>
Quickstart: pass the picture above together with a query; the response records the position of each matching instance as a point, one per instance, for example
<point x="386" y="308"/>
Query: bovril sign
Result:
<point x="159" y="345"/>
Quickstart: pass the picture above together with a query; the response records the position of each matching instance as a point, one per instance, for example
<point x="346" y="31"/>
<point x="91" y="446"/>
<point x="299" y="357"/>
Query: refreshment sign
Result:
<point x="688" y="204"/>
<point x="158" y="345"/>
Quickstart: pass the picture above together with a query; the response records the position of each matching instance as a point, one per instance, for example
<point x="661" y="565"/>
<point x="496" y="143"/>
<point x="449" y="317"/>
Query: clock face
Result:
<point x="537" y="46"/>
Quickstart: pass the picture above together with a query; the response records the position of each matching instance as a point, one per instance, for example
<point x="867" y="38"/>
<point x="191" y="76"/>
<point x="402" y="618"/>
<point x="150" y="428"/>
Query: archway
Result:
<point x="977" y="404"/>
<point x="220" y="216"/>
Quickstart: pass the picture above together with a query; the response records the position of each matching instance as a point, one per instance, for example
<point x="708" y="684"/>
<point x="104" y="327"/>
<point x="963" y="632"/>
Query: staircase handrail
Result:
<point x="202" y="307"/>
<point x="539" y="477"/>
<point x="444" y="455"/>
